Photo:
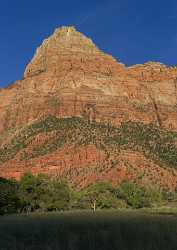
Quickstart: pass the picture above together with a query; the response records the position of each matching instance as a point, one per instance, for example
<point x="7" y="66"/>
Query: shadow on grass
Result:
<point x="89" y="231"/>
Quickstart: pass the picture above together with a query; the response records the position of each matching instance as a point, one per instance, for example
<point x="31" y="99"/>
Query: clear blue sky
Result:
<point x="134" y="31"/>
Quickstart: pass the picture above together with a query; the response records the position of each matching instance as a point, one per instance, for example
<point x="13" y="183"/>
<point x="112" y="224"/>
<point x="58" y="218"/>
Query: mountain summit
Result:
<point x="80" y="114"/>
<point x="64" y="41"/>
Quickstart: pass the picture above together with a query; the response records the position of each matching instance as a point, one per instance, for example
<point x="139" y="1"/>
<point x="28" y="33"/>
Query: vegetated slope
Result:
<point x="104" y="151"/>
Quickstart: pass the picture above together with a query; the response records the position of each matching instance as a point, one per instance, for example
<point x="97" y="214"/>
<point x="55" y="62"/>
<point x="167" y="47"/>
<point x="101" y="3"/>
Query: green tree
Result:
<point x="9" y="201"/>
<point x="42" y="193"/>
<point x="56" y="197"/>
<point x="138" y="196"/>
<point x="153" y="196"/>
<point x="100" y="195"/>
<point x="31" y="188"/>
<point x="132" y="194"/>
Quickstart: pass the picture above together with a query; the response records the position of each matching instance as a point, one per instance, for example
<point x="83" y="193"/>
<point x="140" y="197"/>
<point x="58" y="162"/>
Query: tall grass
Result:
<point x="89" y="231"/>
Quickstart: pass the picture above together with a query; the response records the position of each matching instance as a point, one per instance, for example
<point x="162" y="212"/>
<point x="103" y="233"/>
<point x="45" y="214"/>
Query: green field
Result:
<point x="122" y="230"/>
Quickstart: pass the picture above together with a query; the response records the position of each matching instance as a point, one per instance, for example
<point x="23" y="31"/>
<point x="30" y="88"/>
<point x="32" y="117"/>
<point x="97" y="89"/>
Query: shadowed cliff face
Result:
<point x="70" y="77"/>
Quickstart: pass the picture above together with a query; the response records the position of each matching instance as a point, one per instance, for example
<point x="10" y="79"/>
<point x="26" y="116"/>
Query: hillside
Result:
<point x="83" y="152"/>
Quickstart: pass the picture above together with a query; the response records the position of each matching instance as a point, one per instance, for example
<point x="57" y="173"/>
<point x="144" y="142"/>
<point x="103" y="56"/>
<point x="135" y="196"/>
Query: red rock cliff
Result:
<point x="69" y="75"/>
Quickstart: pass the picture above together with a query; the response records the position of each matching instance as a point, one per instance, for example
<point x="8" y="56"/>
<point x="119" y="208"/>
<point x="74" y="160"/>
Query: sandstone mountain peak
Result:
<point x="68" y="37"/>
<point x="63" y="42"/>
<point x="50" y="120"/>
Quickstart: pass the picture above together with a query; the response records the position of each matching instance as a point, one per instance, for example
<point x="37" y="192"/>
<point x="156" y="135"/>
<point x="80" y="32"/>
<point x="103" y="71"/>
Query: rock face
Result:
<point x="70" y="77"/>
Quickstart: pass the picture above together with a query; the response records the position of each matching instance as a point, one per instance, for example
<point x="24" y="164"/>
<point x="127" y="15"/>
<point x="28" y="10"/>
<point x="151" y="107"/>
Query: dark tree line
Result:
<point x="43" y="194"/>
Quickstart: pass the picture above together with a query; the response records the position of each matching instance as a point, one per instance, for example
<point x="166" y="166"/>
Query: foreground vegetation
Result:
<point x="43" y="194"/>
<point x="89" y="231"/>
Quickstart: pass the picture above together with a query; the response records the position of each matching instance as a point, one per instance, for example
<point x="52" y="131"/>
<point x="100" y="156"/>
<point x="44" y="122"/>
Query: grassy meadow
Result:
<point x="86" y="230"/>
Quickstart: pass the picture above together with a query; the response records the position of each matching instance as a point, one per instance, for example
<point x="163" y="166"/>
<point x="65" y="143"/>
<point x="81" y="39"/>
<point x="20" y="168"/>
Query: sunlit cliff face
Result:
<point x="70" y="77"/>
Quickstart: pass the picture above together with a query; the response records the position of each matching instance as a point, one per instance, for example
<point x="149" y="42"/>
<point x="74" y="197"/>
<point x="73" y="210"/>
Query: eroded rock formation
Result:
<point x="70" y="77"/>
